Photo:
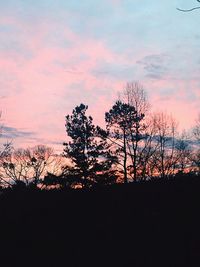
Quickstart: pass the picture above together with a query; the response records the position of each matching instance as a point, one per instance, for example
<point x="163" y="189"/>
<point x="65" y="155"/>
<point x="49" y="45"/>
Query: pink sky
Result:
<point x="49" y="63"/>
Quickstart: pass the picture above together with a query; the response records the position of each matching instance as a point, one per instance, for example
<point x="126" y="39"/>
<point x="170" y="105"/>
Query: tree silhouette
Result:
<point x="164" y="157"/>
<point x="7" y="148"/>
<point x="196" y="129"/>
<point x="40" y="157"/>
<point x="146" y="150"/>
<point x="88" y="151"/>
<point x="121" y="122"/>
<point x="25" y="165"/>
<point x="183" y="153"/>
<point x="16" y="167"/>
<point x="52" y="181"/>
<point x="135" y="95"/>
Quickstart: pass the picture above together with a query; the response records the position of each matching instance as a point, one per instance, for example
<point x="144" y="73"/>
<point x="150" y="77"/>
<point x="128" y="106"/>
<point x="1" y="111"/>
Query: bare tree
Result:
<point x="148" y="148"/>
<point x="164" y="157"/>
<point x="196" y="129"/>
<point x="27" y="165"/>
<point x="57" y="163"/>
<point x="195" y="155"/>
<point x="40" y="157"/>
<point x="195" y="159"/>
<point x="4" y="151"/>
<point x="135" y="96"/>
<point x="183" y="153"/>
<point x="14" y="168"/>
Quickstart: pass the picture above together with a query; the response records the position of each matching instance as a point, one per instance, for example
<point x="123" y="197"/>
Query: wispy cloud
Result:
<point x="8" y="132"/>
<point x="156" y="66"/>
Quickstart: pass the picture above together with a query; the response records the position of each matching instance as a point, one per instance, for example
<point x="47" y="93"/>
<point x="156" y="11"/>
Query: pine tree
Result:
<point x="88" y="151"/>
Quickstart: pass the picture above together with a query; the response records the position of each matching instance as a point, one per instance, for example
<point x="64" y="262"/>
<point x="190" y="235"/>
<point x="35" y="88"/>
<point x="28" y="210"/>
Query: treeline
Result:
<point x="136" y="145"/>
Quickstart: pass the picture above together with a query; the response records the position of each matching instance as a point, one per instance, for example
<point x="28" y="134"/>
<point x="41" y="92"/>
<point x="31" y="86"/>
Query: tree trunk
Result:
<point x="125" y="158"/>
<point x="135" y="152"/>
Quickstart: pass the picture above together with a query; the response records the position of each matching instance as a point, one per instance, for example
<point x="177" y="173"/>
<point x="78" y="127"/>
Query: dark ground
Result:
<point x="145" y="224"/>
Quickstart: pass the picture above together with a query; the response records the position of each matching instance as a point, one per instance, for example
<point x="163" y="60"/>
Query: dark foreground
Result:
<point x="149" y="224"/>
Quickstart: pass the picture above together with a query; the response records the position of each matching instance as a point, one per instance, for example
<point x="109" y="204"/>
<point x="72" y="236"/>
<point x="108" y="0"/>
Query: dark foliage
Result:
<point x="153" y="223"/>
<point x="91" y="159"/>
<point x="123" y="124"/>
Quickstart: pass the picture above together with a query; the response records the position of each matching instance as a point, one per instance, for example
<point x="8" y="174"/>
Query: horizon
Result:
<point x="54" y="56"/>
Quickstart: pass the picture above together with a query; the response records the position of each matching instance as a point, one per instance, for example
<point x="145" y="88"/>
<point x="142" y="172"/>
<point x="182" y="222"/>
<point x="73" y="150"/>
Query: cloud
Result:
<point x="8" y="132"/>
<point x="156" y="66"/>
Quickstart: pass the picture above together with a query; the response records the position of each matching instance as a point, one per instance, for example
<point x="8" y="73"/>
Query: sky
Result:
<point x="55" y="55"/>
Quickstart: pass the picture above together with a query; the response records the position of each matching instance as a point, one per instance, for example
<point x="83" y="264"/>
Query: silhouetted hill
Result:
<point x="153" y="223"/>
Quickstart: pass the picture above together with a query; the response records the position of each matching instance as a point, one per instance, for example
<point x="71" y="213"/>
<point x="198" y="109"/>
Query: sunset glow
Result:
<point x="55" y="55"/>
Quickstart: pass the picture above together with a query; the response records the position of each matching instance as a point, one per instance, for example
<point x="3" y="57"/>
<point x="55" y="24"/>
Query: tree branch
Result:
<point x="188" y="10"/>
